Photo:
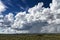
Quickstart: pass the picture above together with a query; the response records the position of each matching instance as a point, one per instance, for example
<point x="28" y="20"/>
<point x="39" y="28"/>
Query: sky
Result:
<point x="15" y="6"/>
<point x="29" y="16"/>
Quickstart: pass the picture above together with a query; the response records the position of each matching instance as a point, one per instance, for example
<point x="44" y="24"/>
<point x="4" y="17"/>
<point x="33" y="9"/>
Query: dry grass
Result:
<point x="30" y="37"/>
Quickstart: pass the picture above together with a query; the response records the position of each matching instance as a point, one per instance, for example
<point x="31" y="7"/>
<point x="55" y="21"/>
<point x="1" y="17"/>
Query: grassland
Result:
<point x="30" y="37"/>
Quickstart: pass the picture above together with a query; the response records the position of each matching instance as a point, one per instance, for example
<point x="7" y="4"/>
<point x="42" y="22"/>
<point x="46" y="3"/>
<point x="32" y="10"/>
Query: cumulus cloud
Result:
<point x="9" y="19"/>
<point x="55" y="5"/>
<point x="54" y="23"/>
<point x="37" y="20"/>
<point x="19" y="20"/>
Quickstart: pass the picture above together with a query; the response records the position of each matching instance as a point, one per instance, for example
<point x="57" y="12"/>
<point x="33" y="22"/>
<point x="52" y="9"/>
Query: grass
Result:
<point x="30" y="37"/>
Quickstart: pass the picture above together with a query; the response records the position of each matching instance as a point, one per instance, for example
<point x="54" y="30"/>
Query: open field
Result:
<point x="30" y="37"/>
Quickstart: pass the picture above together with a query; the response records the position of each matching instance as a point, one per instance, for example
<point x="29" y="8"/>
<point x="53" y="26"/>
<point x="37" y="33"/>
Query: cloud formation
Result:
<point x="38" y="19"/>
<point x="2" y="6"/>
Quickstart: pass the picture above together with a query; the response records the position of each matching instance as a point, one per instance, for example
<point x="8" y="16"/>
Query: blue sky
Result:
<point x="22" y="5"/>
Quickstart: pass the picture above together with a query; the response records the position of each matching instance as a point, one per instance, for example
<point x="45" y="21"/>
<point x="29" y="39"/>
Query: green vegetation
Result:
<point x="30" y="37"/>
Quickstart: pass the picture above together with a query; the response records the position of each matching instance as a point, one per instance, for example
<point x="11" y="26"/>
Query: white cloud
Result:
<point x="19" y="20"/>
<point x="36" y="8"/>
<point x="2" y="7"/>
<point x="55" y="5"/>
<point x="9" y="19"/>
